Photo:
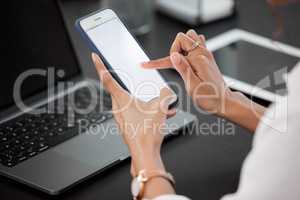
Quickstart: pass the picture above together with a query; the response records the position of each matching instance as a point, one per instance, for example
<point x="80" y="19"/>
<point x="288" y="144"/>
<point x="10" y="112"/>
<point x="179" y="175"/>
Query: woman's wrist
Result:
<point x="149" y="163"/>
<point x="241" y="110"/>
<point x="147" y="159"/>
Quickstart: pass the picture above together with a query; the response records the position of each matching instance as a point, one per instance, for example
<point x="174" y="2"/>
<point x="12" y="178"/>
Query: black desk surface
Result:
<point x="205" y="166"/>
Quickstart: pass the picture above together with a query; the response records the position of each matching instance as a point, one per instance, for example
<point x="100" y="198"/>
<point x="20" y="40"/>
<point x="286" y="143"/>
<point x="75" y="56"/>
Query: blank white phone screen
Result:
<point x="125" y="56"/>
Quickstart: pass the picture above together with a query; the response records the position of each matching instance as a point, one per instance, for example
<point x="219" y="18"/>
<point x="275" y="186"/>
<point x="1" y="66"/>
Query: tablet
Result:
<point x="254" y="64"/>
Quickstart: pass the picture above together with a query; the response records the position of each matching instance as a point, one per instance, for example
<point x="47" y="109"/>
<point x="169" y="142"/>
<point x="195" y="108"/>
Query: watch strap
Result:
<point x="156" y="173"/>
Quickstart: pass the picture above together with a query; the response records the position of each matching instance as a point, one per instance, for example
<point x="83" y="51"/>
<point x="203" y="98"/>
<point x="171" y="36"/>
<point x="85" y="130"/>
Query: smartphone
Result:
<point x="110" y="39"/>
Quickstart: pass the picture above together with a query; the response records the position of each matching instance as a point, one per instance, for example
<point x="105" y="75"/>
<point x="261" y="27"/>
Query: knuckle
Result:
<point x="200" y="56"/>
<point x="180" y="35"/>
<point x="105" y="78"/>
<point x="211" y="55"/>
<point x="203" y="57"/>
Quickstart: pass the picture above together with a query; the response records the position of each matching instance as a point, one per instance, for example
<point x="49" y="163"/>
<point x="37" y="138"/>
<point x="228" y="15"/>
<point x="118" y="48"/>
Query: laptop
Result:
<point x="47" y="141"/>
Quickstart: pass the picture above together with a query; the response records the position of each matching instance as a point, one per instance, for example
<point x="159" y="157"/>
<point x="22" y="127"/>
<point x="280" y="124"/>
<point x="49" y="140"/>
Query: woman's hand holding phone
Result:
<point x="141" y="123"/>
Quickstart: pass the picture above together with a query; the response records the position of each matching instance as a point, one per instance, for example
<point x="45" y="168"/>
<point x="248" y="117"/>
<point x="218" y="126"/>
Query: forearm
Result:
<point x="151" y="161"/>
<point x="243" y="111"/>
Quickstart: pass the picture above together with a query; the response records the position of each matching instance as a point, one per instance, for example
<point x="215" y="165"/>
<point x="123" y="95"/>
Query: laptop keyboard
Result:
<point x="28" y="135"/>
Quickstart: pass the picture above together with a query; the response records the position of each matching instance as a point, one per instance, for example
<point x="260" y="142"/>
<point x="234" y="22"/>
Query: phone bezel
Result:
<point x="96" y="19"/>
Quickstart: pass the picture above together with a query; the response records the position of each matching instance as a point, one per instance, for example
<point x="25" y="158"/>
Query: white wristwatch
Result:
<point x="138" y="183"/>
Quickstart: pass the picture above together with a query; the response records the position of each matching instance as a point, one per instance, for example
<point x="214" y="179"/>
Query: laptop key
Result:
<point x="43" y="148"/>
<point x="33" y="153"/>
<point x="4" y="139"/>
<point x="2" y="134"/>
<point x="22" y="158"/>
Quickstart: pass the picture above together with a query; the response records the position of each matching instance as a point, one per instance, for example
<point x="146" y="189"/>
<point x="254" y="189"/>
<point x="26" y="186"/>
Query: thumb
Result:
<point x="185" y="70"/>
<point x="181" y="65"/>
<point x="165" y="99"/>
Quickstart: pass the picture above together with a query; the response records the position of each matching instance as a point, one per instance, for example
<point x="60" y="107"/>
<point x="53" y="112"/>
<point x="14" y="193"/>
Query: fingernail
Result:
<point x="202" y="37"/>
<point x="94" y="57"/>
<point x="193" y="31"/>
<point x="175" y="58"/>
<point x="143" y="63"/>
